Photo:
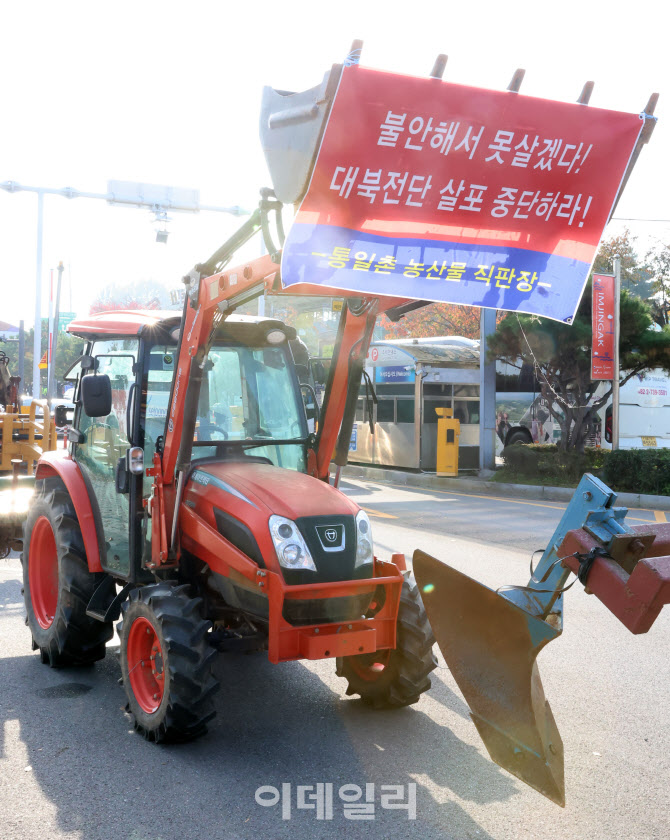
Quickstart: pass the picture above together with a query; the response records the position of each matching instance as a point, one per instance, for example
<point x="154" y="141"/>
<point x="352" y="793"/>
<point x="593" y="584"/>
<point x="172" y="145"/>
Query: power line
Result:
<point x="538" y="370"/>
<point x="624" y="219"/>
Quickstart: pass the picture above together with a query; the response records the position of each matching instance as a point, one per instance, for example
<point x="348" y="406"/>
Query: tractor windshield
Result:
<point x="250" y="395"/>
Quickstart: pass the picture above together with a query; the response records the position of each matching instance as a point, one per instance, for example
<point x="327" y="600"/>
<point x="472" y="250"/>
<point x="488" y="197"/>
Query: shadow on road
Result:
<point x="275" y="725"/>
<point x="10" y="594"/>
<point x="358" y="489"/>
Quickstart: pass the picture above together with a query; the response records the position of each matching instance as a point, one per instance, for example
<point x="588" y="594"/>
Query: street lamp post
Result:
<point x="158" y="199"/>
<point x="487" y="393"/>
<point x="51" y="378"/>
<point x="37" y="332"/>
<point x="617" y="337"/>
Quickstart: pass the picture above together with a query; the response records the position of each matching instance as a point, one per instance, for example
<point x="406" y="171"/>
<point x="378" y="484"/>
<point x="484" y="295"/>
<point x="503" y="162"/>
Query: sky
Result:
<point x="169" y="93"/>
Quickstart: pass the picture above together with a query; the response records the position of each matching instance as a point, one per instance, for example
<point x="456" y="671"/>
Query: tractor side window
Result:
<point x="159" y="369"/>
<point x="117" y="360"/>
<point x="105" y="441"/>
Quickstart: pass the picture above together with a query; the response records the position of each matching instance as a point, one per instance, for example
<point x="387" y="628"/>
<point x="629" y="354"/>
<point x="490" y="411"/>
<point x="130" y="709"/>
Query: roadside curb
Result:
<point x="493" y="488"/>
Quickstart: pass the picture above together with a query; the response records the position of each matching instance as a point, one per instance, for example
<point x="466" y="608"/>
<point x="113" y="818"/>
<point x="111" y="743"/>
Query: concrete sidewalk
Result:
<point x="471" y="484"/>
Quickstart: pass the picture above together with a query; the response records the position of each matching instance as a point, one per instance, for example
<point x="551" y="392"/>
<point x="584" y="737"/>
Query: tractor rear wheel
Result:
<point x="393" y="678"/>
<point x="57" y="585"/>
<point x="166" y="663"/>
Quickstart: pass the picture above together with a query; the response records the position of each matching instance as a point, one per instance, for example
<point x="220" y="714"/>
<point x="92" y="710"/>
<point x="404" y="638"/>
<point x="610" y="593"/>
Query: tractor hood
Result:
<point x="270" y="490"/>
<point x="237" y="499"/>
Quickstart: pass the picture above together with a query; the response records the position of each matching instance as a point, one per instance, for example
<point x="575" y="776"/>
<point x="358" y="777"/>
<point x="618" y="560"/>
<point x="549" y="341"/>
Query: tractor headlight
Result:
<point x="292" y="551"/>
<point x="364" y="549"/>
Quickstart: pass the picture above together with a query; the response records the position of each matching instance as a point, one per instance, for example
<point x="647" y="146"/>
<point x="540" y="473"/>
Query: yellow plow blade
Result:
<point x="490" y="645"/>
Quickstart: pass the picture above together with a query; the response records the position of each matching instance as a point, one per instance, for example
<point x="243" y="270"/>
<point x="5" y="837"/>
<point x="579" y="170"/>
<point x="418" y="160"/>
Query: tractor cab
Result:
<point x="273" y="557"/>
<point x="249" y="409"/>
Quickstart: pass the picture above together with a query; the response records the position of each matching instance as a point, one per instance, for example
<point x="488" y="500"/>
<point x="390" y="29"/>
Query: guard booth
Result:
<point x="413" y="377"/>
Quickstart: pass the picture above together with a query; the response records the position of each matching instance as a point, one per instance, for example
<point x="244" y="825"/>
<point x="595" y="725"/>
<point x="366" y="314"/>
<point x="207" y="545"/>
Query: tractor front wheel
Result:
<point x="393" y="678"/>
<point x="166" y="663"/>
<point x="57" y="584"/>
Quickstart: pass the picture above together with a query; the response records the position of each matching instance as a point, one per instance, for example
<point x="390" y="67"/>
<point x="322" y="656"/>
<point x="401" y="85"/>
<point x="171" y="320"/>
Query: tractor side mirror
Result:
<point x="96" y="395"/>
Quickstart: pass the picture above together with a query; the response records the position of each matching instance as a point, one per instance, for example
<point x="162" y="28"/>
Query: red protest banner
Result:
<point x="602" y="322"/>
<point x="439" y="191"/>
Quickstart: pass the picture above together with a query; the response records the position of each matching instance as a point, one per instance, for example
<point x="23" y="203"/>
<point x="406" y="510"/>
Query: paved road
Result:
<point x="71" y="767"/>
<point x="501" y="520"/>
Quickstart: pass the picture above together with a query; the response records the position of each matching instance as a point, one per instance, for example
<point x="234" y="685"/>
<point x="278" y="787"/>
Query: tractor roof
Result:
<point x="131" y="322"/>
<point x="120" y="322"/>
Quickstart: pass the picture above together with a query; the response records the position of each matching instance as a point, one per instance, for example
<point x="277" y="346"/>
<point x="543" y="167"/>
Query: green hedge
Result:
<point x="639" y="471"/>
<point x="626" y="470"/>
<point x="546" y="464"/>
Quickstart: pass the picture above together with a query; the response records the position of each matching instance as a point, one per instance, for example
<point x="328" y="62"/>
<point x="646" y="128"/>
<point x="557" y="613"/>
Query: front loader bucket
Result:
<point x="490" y="645"/>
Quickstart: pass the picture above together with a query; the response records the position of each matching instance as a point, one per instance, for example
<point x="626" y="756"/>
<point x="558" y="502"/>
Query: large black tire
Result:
<point x="518" y="436"/>
<point x="390" y="679"/>
<point x="166" y="663"/>
<point x="57" y="585"/>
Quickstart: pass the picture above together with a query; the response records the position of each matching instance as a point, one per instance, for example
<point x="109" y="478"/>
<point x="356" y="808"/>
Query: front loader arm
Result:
<point x="209" y="299"/>
<point x="208" y="302"/>
<point x="347" y="365"/>
<point x="339" y="405"/>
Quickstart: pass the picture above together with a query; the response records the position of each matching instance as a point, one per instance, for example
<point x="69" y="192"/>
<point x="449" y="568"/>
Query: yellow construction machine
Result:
<point x="26" y="433"/>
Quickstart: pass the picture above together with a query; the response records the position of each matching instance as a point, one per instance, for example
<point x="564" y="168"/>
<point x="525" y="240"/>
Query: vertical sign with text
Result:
<point x="602" y="348"/>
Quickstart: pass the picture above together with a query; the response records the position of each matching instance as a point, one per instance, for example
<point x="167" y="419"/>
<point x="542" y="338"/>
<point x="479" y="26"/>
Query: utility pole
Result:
<point x="158" y="199"/>
<point x="54" y="340"/>
<point x="22" y="353"/>
<point x="487" y="393"/>
<point x="37" y="336"/>
<point x="617" y="330"/>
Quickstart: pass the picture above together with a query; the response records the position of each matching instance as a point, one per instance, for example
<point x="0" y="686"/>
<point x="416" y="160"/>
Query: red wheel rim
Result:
<point x="145" y="665"/>
<point x="370" y="666"/>
<point x="43" y="572"/>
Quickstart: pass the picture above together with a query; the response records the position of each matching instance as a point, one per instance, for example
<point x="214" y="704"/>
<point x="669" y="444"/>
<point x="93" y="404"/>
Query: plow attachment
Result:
<point x="490" y="646"/>
<point x="490" y="639"/>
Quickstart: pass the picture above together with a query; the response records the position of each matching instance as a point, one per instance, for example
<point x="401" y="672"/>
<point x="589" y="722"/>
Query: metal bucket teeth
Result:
<point x="490" y="645"/>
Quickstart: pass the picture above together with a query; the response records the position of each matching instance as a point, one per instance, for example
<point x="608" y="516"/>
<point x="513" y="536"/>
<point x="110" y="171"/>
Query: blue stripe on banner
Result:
<point x="557" y="282"/>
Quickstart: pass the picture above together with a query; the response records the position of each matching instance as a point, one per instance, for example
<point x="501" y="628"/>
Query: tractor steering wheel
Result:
<point x="209" y="428"/>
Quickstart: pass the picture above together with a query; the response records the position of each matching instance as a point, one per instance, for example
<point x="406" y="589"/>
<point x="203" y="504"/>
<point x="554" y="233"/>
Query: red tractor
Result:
<point x="194" y="502"/>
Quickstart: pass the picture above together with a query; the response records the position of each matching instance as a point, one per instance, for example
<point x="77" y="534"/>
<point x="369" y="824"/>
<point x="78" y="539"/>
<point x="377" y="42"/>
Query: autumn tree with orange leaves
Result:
<point x="436" y="319"/>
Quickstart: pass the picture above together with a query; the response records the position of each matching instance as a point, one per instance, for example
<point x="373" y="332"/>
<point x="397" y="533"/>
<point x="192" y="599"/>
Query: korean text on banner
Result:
<point x="602" y="349"/>
<point x="437" y="191"/>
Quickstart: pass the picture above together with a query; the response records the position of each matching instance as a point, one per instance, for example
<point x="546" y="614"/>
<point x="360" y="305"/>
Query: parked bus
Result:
<point x="412" y="377"/>
<point x="644" y="413"/>
<point x="522" y="413"/>
<point x="523" y="416"/>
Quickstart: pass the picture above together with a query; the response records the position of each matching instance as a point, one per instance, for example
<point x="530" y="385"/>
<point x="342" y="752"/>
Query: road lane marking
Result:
<point x="659" y="515"/>
<point x="379" y="513"/>
<point x="473" y="496"/>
